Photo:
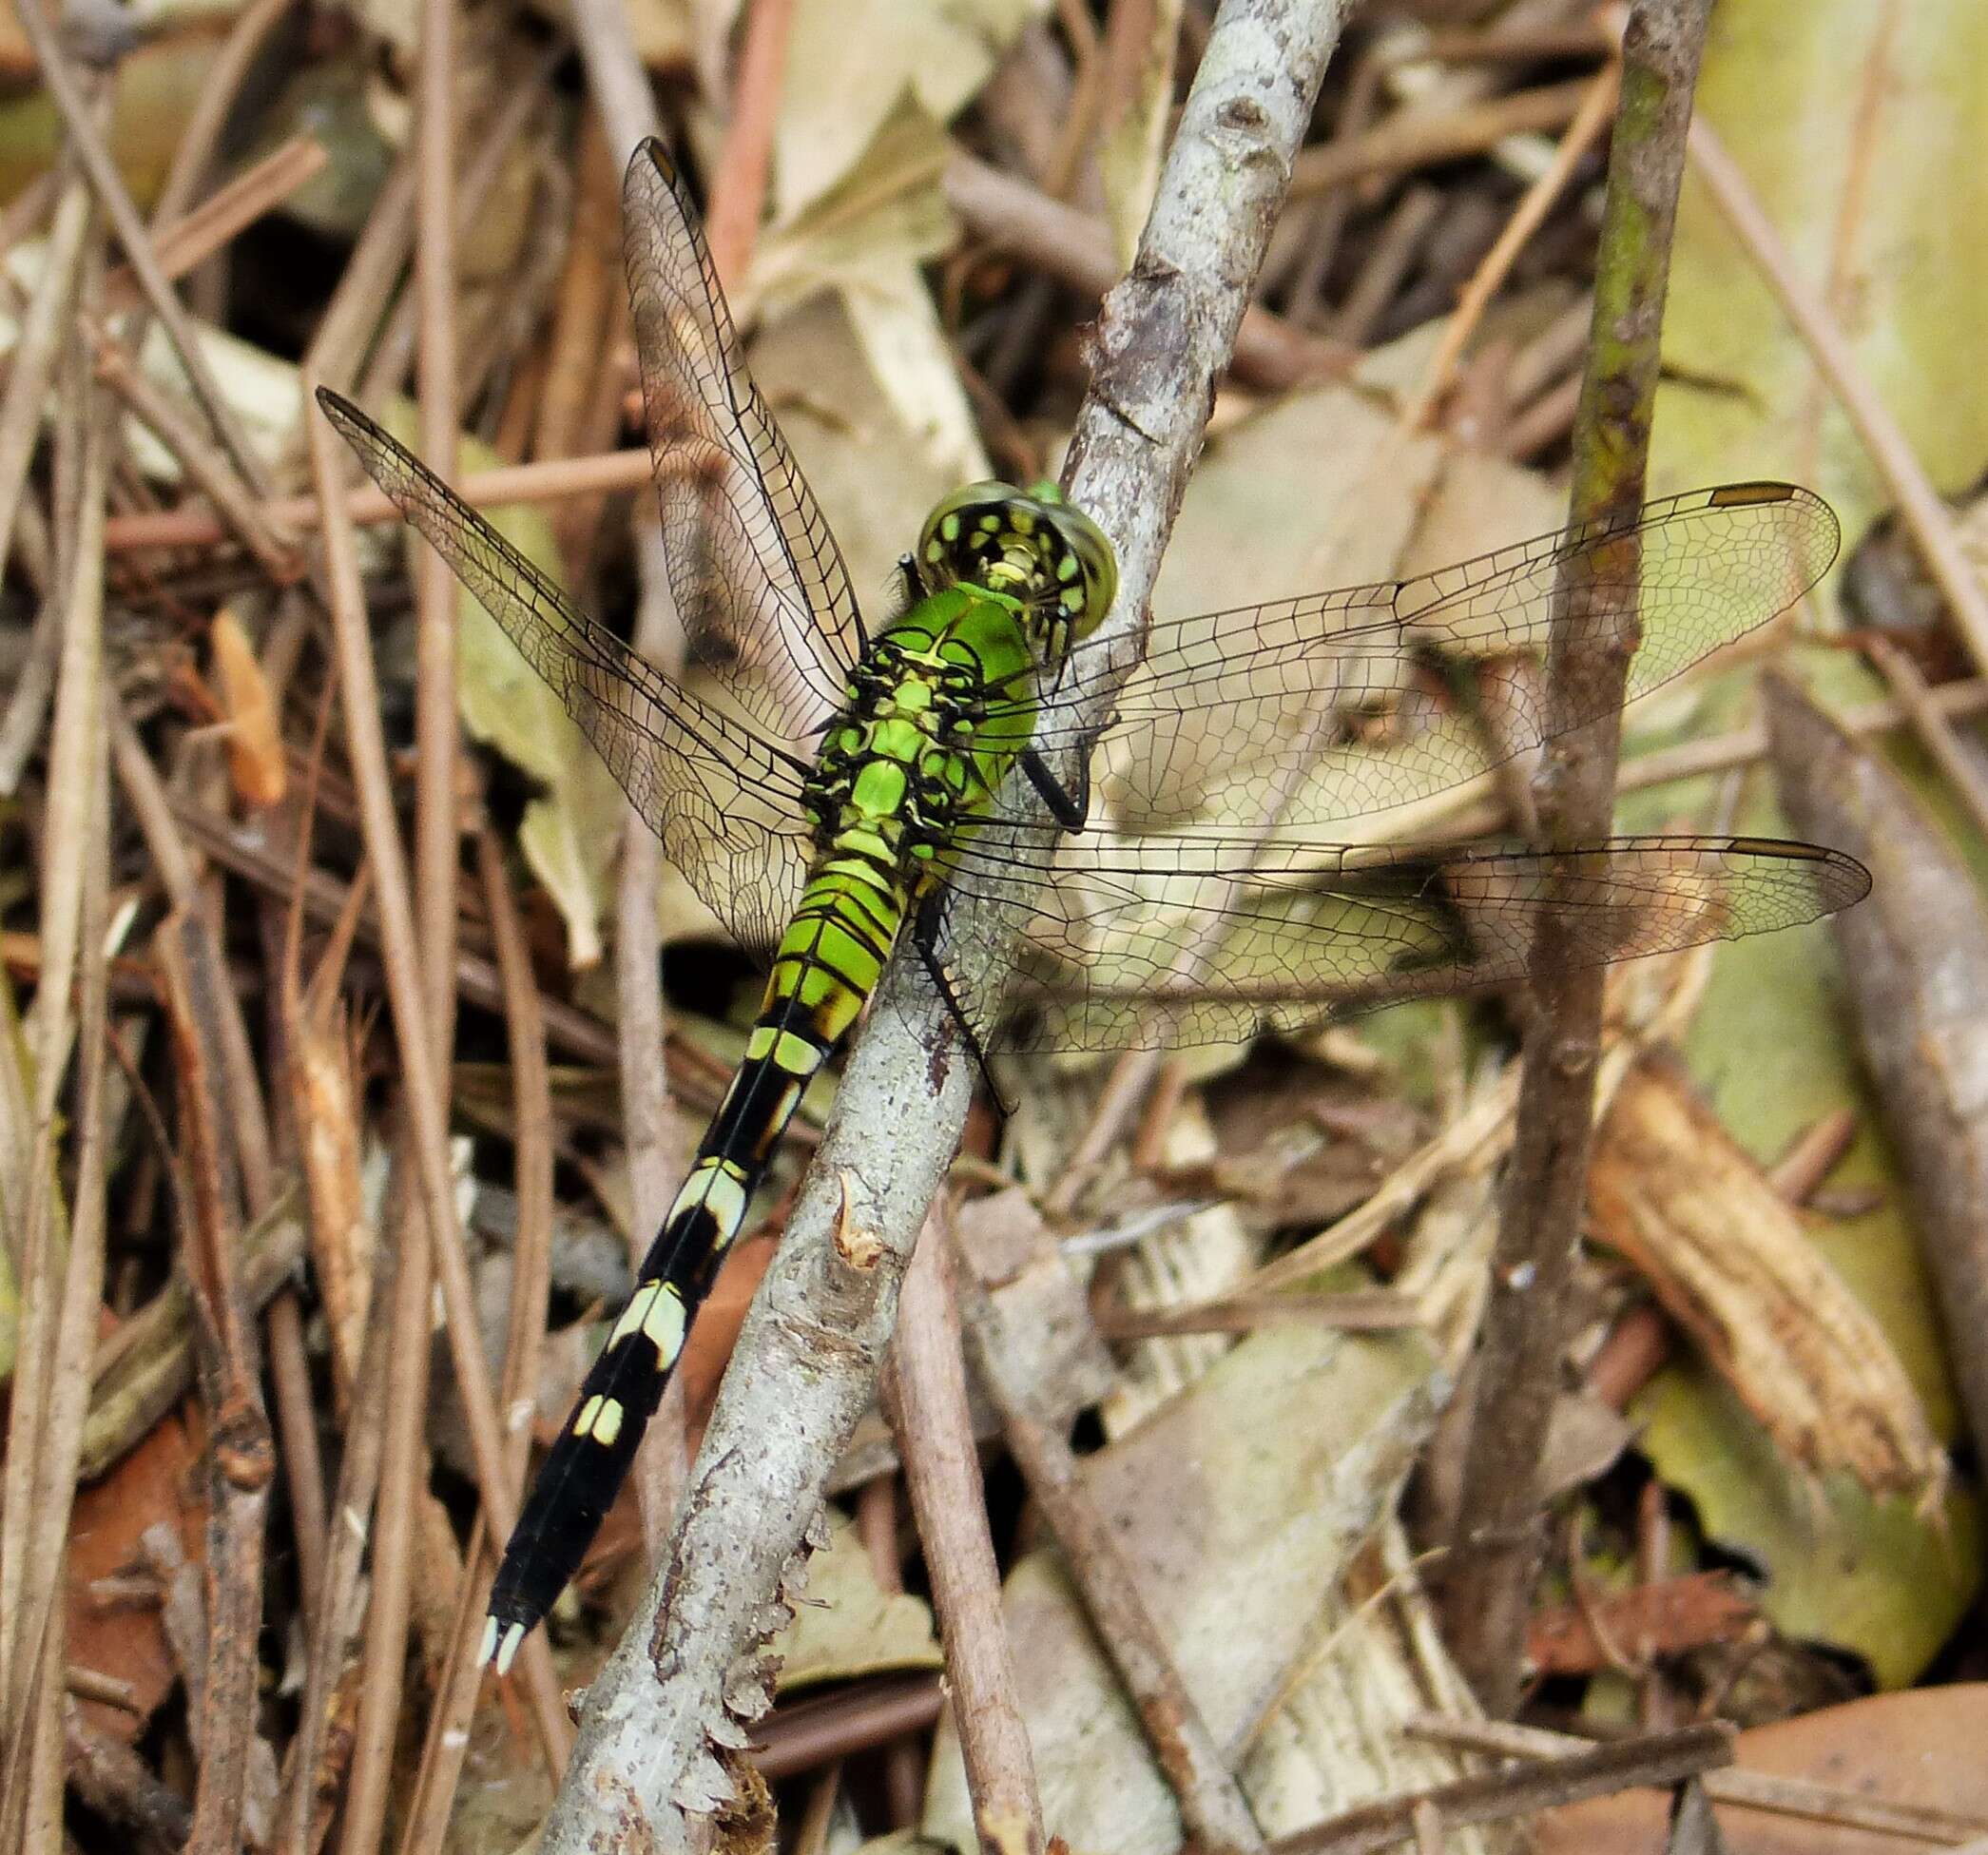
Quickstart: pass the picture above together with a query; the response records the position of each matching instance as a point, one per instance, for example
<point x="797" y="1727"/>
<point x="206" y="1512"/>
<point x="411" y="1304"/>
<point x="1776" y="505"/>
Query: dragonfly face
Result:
<point x="1030" y="543"/>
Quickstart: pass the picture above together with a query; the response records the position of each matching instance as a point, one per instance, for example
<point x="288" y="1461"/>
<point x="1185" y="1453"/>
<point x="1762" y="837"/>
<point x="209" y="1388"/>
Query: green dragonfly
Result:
<point x="841" y="787"/>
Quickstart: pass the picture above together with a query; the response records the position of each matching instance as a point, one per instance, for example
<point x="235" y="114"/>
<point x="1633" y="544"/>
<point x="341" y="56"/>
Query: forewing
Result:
<point x="1202" y="937"/>
<point x="1355" y="704"/>
<point x="725" y="802"/>
<point x="759" y="583"/>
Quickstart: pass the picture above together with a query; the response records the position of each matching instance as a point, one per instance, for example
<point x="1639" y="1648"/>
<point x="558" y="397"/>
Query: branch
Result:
<point x="809" y="1354"/>
<point x="1498" y="1535"/>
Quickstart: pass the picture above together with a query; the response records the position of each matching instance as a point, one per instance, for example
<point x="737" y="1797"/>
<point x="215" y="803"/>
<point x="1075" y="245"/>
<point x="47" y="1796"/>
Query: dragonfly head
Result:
<point x="1032" y="545"/>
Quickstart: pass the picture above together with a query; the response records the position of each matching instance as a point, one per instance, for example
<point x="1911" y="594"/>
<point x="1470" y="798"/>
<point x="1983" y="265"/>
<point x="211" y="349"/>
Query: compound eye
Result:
<point x="965" y="529"/>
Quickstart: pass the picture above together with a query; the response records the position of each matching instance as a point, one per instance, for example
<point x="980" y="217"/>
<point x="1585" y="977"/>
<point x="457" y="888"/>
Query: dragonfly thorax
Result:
<point x="897" y="767"/>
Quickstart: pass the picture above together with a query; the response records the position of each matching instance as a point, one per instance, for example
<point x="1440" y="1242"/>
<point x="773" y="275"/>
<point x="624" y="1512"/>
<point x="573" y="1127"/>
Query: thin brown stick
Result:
<point x="1493" y="45"/>
<point x="904" y="1761"/>
<point x="924" y="1390"/>
<point x="436" y="855"/>
<point x="811" y="1734"/>
<point x="1069" y="243"/>
<point x="241" y="1449"/>
<point x="93" y="154"/>
<point x="368" y="281"/>
<point x="1759" y="1790"/>
<point x="1926" y="516"/>
<point x="1404" y="143"/>
<point x="1118" y="1101"/>
<point x="32" y="364"/>
<point x="605" y="474"/>
<point x="1933" y="730"/>
<point x="190" y="242"/>
<point x="53" y="1383"/>
<point x="59" y="1270"/>
<point x="1499" y="1540"/>
<point x="1596" y="112"/>
<point x="738" y="184"/>
<point x="1409" y="222"/>
<point x="1211" y="1804"/>
<point x="576" y="353"/>
<point x="1353" y="1310"/>
<point x="1661" y="1759"/>
<point x="331" y="1644"/>
<point x="402" y="1478"/>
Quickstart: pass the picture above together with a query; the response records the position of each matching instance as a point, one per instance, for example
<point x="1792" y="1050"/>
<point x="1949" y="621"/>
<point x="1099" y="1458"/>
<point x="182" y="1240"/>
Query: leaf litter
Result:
<point x="1275" y="1493"/>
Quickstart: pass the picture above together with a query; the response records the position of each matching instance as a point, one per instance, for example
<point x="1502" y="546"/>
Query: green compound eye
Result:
<point x="974" y="521"/>
<point x="1089" y="567"/>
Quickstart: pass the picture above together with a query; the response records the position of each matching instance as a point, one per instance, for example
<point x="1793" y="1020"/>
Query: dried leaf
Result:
<point x="1728" y="1259"/>
<point x="847" y="1624"/>
<point x="112" y="1630"/>
<point x="1859" y="128"/>
<point x="255" y="743"/>
<point x="1240" y="1505"/>
<point x="1918" y="1748"/>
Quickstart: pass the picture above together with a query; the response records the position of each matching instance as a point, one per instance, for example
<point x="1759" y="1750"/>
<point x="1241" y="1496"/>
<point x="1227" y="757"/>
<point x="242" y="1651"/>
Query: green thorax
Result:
<point x="939" y="708"/>
<point x="942" y="702"/>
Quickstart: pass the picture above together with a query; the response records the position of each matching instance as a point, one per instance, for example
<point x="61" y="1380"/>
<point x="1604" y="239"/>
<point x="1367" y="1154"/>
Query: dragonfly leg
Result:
<point x="1070" y="810"/>
<point x="926" y="928"/>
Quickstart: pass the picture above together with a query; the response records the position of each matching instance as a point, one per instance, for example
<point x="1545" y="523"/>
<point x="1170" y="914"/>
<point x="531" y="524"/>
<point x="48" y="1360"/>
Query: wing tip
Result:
<point x="653" y="151"/>
<point x="1841" y="881"/>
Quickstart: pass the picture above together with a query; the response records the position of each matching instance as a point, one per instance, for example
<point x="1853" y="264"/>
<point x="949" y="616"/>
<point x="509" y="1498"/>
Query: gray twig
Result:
<point x="811" y="1348"/>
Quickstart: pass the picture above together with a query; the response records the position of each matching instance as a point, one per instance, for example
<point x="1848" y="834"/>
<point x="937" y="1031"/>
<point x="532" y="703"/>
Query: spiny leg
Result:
<point x="926" y="930"/>
<point x="1070" y="810"/>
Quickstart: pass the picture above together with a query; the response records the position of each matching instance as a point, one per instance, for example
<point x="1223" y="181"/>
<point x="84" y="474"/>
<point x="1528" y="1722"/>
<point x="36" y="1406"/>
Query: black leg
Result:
<point x="925" y="929"/>
<point x="1070" y="810"/>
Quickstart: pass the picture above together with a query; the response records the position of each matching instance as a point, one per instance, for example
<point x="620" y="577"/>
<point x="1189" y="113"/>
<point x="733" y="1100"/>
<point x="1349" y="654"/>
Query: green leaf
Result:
<point x="1860" y="129"/>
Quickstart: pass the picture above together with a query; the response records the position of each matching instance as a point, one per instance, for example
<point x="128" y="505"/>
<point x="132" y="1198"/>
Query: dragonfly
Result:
<point x="834" y="792"/>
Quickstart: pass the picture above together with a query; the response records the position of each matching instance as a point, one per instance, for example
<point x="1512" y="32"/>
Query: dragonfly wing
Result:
<point x="759" y="585"/>
<point x="725" y="802"/>
<point x="1356" y="704"/>
<point x="1162" y="941"/>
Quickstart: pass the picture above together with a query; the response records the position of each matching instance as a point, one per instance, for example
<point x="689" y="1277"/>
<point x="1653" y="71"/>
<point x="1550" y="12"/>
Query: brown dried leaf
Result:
<point x="1921" y="1748"/>
<point x="1664" y="1619"/>
<point x="255" y="742"/>
<point x="124" y="1638"/>
<point x="1728" y="1259"/>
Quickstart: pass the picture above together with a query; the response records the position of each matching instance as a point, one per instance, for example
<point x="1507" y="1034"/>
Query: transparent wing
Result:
<point x="1208" y="938"/>
<point x="1360" y="702"/>
<point x="759" y="583"/>
<point x="725" y="802"/>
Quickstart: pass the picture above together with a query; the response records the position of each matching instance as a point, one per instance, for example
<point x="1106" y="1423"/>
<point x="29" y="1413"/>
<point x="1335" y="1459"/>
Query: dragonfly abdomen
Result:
<point x="901" y="776"/>
<point x="827" y="965"/>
